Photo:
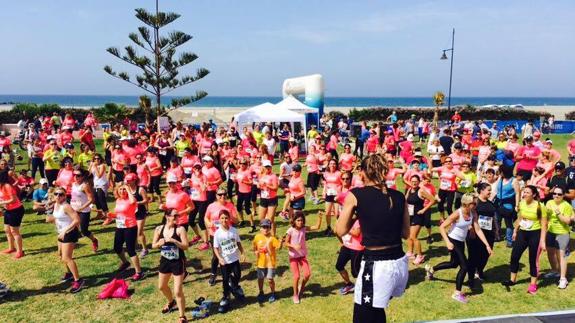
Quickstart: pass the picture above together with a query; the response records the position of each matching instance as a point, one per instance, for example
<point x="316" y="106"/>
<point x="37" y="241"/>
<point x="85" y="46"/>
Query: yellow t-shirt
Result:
<point x="529" y="220"/>
<point x="52" y="159"/>
<point x="311" y="134"/>
<point x="466" y="185"/>
<point x="258" y="137"/>
<point x="556" y="226"/>
<point x="84" y="160"/>
<point x="267" y="247"/>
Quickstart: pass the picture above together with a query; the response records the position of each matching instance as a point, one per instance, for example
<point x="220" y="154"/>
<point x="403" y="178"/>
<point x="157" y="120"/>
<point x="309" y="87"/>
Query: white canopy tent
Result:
<point x="268" y="112"/>
<point x="293" y="104"/>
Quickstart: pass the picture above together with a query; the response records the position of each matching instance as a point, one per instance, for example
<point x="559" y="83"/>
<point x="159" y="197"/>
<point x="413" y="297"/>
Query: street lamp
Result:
<point x="443" y="57"/>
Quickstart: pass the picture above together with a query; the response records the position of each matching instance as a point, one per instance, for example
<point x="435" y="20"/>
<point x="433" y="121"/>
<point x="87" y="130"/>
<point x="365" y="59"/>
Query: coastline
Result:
<point x="224" y="114"/>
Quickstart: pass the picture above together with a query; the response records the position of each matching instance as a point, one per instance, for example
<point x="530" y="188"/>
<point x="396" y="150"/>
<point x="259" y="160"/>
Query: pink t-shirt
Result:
<point x="409" y="173"/>
<point x="333" y="182"/>
<point x="268" y="180"/>
<point x="244" y="180"/>
<point x="152" y="163"/>
<point x="531" y="154"/>
<point x="346" y="161"/>
<point x="295" y="185"/>
<point x="213" y="214"/>
<point x="178" y="201"/>
<point x="312" y="163"/>
<point x="371" y="144"/>
<point x="119" y="159"/>
<point x="353" y="242"/>
<point x="294" y="153"/>
<point x="447" y="179"/>
<point x="143" y="175"/>
<point x="212" y="175"/>
<point x="125" y="213"/>
<point x="198" y="188"/>
<point x="65" y="179"/>
<point x="297" y="237"/>
<point x="390" y="178"/>
<point x="176" y="171"/>
<point x="356" y="181"/>
<point x="188" y="162"/>
<point x="457" y="159"/>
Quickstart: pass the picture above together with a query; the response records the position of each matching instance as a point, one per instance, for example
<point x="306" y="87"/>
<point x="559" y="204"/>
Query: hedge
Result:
<point x="466" y="112"/>
<point x="570" y="115"/>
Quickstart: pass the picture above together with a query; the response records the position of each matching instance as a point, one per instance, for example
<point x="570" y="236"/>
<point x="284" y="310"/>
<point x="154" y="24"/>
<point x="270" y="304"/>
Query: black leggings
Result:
<point x="155" y="185"/>
<point x="37" y="165"/>
<point x="100" y="197"/>
<point x="84" y="224"/>
<point x="348" y="255"/>
<point x="368" y="314"/>
<point x="51" y="176"/>
<point x="199" y="210"/>
<point x="446" y="202"/>
<point x="478" y="254"/>
<point x="524" y="240"/>
<point x="243" y="202"/>
<point x="457" y="260"/>
<point x="127" y="235"/>
<point x="231" y="274"/>
<point x="231" y="185"/>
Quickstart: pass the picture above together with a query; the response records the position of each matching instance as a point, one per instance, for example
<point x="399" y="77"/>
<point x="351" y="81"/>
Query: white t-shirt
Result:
<point x="227" y="241"/>
<point x="270" y="145"/>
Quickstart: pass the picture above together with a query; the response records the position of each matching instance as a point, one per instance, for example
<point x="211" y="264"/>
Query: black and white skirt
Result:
<point x="380" y="280"/>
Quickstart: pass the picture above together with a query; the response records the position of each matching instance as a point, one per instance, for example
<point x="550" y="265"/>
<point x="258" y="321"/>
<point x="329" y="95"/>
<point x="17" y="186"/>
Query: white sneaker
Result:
<point x="563" y="283"/>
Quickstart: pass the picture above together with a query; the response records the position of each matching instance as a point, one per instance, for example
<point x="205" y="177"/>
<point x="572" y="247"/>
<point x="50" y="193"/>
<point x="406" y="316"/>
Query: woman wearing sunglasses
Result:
<point x="67" y="222"/>
<point x="447" y="186"/>
<point x="560" y="217"/>
<point x="126" y="230"/>
<point x="82" y="196"/>
<point x="332" y="187"/>
<point x="66" y="176"/>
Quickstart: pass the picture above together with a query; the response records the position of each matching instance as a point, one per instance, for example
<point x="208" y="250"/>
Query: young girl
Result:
<point x="295" y="241"/>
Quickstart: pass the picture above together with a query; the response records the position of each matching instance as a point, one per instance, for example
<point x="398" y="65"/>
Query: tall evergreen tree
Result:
<point x="159" y="68"/>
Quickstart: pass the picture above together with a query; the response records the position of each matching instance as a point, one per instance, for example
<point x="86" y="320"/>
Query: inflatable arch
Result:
<point x="312" y="87"/>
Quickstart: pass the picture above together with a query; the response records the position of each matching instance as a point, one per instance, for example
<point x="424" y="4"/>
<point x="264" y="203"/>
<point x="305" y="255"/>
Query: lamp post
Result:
<point x="444" y="56"/>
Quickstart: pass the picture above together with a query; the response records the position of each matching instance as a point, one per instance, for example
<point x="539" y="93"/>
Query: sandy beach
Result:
<point x="224" y="114"/>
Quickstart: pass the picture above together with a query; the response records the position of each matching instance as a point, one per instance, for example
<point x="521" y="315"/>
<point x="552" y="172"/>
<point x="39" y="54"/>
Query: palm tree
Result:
<point x="438" y="100"/>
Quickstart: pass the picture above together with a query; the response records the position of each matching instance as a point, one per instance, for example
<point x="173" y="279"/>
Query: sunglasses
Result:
<point x="224" y="194"/>
<point x="345" y="178"/>
<point x="557" y="194"/>
<point x="59" y="194"/>
<point x="79" y="175"/>
<point x="266" y="227"/>
<point x="448" y="161"/>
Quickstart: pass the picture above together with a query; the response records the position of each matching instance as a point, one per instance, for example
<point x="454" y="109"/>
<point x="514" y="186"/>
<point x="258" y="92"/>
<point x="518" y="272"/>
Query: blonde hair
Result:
<point x="375" y="168"/>
<point x="467" y="199"/>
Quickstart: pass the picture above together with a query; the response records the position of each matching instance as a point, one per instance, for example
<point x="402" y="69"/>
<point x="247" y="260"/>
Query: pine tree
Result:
<point x="159" y="68"/>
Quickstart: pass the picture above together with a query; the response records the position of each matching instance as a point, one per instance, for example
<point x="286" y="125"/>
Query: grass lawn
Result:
<point x="38" y="295"/>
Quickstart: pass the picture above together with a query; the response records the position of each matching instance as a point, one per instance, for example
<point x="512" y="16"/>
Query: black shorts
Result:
<point x="118" y="176"/>
<point x="436" y="162"/>
<point x="349" y="255"/>
<point x="14" y="217"/>
<point x="313" y="180"/>
<point x="427" y="219"/>
<point x="298" y="204"/>
<point x="185" y="226"/>
<point x="269" y="202"/>
<point x="330" y="198"/>
<point x="71" y="237"/>
<point x="525" y="174"/>
<point x="141" y="215"/>
<point x="417" y="220"/>
<point x="174" y="267"/>
<point x="255" y="192"/>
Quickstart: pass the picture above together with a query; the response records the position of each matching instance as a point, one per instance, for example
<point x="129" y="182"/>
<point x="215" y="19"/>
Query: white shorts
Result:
<point x="387" y="279"/>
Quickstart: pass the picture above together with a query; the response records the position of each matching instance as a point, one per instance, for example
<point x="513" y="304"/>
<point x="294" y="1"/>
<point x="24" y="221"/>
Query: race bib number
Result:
<point x="445" y="184"/>
<point x="195" y="194"/>
<point x="331" y="192"/>
<point x="265" y="194"/>
<point x="411" y="209"/>
<point x="390" y="183"/>
<point x="465" y="184"/>
<point x="229" y="247"/>
<point x="525" y="224"/>
<point x="485" y="222"/>
<point x="121" y="222"/>
<point x="187" y="170"/>
<point x="170" y="252"/>
<point x="163" y="152"/>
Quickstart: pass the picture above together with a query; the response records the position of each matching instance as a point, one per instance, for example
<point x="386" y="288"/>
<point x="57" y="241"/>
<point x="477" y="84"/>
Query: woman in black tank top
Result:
<point x="384" y="221"/>
<point x="416" y="199"/>
<point x="142" y="211"/>
<point x="172" y="242"/>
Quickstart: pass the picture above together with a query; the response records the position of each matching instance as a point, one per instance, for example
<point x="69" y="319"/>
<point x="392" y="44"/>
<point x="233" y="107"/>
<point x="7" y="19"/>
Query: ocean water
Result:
<point x="231" y="101"/>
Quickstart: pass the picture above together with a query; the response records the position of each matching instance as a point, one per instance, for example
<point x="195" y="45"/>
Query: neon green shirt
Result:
<point x="556" y="226"/>
<point x="84" y="159"/>
<point x="181" y="145"/>
<point x="528" y="215"/>
<point x="259" y="137"/>
<point x="466" y="185"/>
<point x="52" y="159"/>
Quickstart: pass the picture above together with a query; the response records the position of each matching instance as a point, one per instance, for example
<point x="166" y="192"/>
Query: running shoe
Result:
<point x="428" y="272"/>
<point x="66" y="278"/>
<point x="144" y="253"/>
<point x="346" y="289"/>
<point x="8" y="251"/>
<point x="124" y="266"/>
<point x="563" y="283"/>
<point x="183" y="319"/>
<point x="419" y="259"/>
<point x="328" y="232"/>
<point x="77" y="286"/>
<point x="95" y="245"/>
<point x="508" y="283"/>
<point x="212" y="280"/>
<point x="239" y="293"/>
<point x="532" y="289"/>
<point x="284" y="215"/>
<point x="204" y="246"/>
<point x="315" y="201"/>
<point x="479" y="277"/>
<point x="18" y="255"/>
<point x="138" y="276"/>
<point x="509" y="245"/>
<point x="261" y="297"/>
<point x="295" y="299"/>
<point x="272" y="298"/>
<point x="195" y="240"/>
<point x="551" y="274"/>
<point x="224" y="305"/>
<point x="460" y="297"/>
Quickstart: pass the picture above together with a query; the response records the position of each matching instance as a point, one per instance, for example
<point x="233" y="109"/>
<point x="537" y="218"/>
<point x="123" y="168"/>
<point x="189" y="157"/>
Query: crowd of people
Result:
<point x="222" y="178"/>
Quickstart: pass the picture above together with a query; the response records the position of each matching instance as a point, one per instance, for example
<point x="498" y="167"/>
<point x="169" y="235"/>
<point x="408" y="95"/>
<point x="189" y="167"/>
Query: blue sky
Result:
<point x="362" y="48"/>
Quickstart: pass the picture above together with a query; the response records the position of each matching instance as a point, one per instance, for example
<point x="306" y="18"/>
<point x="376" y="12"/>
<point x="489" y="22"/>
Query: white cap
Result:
<point x="266" y="163"/>
<point x="410" y="137"/>
<point x="207" y="158"/>
<point x="219" y="141"/>
<point x="172" y="178"/>
<point x="43" y="181"/>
